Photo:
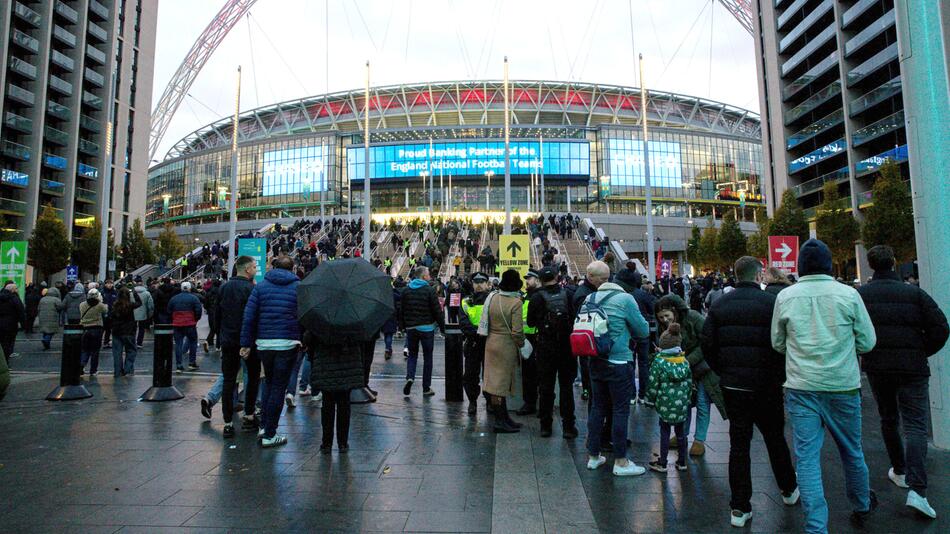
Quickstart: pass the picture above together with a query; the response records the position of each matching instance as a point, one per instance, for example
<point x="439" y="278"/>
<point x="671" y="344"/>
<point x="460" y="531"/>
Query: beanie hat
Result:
<point x="510" y="281"/>
<point x="671" y="337"/>
<point x="814" y="257"/>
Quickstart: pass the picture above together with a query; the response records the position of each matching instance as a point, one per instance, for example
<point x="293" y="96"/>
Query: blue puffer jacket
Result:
<point x="271" y="311"/>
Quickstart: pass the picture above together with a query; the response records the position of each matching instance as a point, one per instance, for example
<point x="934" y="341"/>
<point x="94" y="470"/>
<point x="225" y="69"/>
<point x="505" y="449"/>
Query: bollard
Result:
<point x="162" y="388"/>
<point x="70" y="386"/>
<point x="453" y="349"/>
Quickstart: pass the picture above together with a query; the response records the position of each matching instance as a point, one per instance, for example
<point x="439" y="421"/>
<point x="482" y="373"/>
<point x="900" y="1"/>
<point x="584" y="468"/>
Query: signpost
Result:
<point x="783" y="253"/>
<point x="13" y="261"/>
<point x="255" y="247"/>
<point x="514" y="253"/>
<point x="72" y="273"/>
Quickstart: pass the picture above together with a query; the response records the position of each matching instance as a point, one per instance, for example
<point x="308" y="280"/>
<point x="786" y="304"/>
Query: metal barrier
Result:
<point x="70" y="386"/>
<point x="162" y="388"/>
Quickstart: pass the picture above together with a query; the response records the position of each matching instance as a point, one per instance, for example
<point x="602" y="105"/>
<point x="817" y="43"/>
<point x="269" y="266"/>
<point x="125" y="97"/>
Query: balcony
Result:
<point x="815" y="156"/>
<point x="66" y="12"/>
<point x="18" y="123"/>
<point x="88" y="123"/>
<point x="31" y="17"/>
<point x="805" y="24"/>
<point x="96" y="31"/>
<point x="60" y="85"/>
<point x="811" y="75"/>
<point x="85" y="195"/>
<point x="57" y="137"/>
<point x="91" y="100"/>
<point x="14" y="178"/>
<point x="22" y="67"/>
<point x="94" y="77"/>
<point x="872" y="131"/>
<point x="95" y="54"/>
<point x="53" y="161"/>
<point x="84" y="220"/>
<point x="831" y="120"/>
<point x="87" y="171"/>
<point x="8" y="206"/>
<point x="58" y="110"/>
<point x="15" y="150"/>
<point x="99" y="9"/>
<point x="816" y="184"/>
<point x="875" y="62"/>
<point x="855" y="11"/>
<point x="790" y="12"/>
<point x="65" y="36"/>
<point x="869" y="165"/>
<point x="62" y="60"/>
<point x="52" y="187"/>
<point x="820" y="40"/>
<point x="25" y="41"/>
<point x="88" y="147"/>
<point x="832" y="90"/>
<point x="873" y="30"/>
<point x="875" y="96"/>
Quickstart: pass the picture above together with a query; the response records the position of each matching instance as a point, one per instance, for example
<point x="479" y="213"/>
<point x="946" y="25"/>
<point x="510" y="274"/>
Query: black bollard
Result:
<point x="453" y="349"/>
<point x="70" y="386"/>
<point x="162" y="388"/>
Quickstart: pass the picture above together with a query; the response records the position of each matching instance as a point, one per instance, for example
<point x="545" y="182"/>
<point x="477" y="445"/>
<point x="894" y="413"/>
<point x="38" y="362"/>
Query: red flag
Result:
<point x="659" y="261"/>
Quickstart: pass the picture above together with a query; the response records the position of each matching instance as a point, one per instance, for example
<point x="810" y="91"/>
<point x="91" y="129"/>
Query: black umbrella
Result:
<point x="345" y="299"/>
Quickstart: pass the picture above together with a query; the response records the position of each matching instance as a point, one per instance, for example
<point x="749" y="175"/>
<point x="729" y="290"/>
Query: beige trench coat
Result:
<point x="501" y="347"/>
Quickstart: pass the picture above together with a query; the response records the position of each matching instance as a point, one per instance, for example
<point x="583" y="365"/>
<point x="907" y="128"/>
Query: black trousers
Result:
<point x="30" y="321"/>
<point x="212" y="331"/>
<point x="336" y="408"/>
<point x="369" y="353"/>
<point x="765" y="410"/>
<point x="902" y="401"/>
<point x="474" y="353"/>
<point x="585" y="373"/>
<point x="556" y="365"/>
<point x="230" y="364"/>
<point x="529" y="374"/>
<point x="7" y="341"/>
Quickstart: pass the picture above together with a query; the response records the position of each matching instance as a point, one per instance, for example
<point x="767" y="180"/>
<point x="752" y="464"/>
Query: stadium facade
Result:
<point x="442" y="145"/>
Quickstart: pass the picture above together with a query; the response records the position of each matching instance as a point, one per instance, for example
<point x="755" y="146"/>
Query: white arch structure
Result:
<point x="230" y="14"/>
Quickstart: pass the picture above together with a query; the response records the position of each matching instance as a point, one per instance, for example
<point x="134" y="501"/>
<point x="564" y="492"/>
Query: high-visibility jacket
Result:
<point x="388" y="263"/>
<point x="473" y="311"/>
<point x="524" y="316"/>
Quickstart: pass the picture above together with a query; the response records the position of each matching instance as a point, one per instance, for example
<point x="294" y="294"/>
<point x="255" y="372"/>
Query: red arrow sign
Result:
<point x="783" y="253"/>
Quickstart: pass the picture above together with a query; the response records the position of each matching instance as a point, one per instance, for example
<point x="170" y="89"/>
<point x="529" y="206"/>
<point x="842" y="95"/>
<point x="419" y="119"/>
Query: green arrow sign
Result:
<point x="13" y="261"/>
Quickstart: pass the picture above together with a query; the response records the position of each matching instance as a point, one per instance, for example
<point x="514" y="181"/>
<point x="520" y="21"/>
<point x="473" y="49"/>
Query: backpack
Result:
<point x="590" y="337"/>
<point x="557" y="316"/>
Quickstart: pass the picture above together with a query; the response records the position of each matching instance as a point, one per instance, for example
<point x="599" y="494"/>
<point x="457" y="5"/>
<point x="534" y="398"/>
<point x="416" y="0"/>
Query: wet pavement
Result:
<point x="111" y="463"/>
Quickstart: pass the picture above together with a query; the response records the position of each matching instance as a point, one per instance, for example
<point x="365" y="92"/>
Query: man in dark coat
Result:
<point x="910" y="328"/>
<point x="12" y="315"/>
<point x="32" y="296"/>
<point x="736" y="341"/>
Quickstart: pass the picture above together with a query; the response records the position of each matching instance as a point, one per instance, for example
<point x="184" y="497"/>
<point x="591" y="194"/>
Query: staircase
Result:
<point x="455" y="251"/>
<point x="578" y="254"/>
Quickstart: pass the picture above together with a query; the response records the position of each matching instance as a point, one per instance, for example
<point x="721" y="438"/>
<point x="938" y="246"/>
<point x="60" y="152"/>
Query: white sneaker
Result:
<point x="792" y="498"/>
<point x="260" y="434"/>
<point x="275" y="441"/>
<point x="915" y="501"/>
<point x="633" y="401"/>
<point x="318" y="396"/>
<point x="898" y="480"/>
<point x="290" y="400"/>
<point x="594" y="463"/>
<point x="739" y="519"/>
<point x="629" y="470"/>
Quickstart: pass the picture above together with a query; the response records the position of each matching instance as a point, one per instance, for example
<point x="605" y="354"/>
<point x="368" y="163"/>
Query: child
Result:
<point x="671" y="384"/>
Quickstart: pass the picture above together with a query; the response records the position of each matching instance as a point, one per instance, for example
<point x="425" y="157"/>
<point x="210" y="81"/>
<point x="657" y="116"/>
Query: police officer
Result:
<point x="529" y="367"/>
<point x="474" y="348"/>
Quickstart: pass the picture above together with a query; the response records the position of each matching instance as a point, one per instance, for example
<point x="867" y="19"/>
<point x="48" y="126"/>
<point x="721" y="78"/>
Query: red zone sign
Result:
<point x="783" y="253"/>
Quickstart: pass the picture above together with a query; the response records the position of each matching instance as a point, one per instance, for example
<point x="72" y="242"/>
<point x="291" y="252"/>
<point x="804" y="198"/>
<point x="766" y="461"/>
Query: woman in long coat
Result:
<point x="50" y="311"/>
<point x="502" y="348"/>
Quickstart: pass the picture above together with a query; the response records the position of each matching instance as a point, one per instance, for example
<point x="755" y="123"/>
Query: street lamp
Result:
<point x="488" y="174"/>
<point x="423" y="174"/>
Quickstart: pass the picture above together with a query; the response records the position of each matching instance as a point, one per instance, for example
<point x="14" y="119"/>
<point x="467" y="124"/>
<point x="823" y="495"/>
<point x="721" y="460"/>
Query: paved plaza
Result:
<point x="113" y="464"/>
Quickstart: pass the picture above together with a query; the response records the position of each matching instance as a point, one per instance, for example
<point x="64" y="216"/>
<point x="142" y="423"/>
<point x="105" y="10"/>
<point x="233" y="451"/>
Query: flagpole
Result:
<point x="232" y="220"/>
<point x="366" y="186"/>
<point x="541" y="170"/>
<point x="507" y="230"/>
<point x="646" y="176"/>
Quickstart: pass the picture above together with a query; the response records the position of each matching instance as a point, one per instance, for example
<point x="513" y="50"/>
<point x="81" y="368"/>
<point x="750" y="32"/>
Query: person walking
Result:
<point x="109" y="295"/>
<point x="32" y="295"/>
<point x="143" y="313"/>
<point x="184" y="311"/>
<point x="123" y="331"/>
<point x="232" y="300"/>
<point x="910" y="328"/>
<point x="50" y="312"/>
<point x="72" y="300"/>
<point x="821" y="326"/>
<point x="335" y="369"/>
<point x="420" y="315"/>
<point x="550" y="311"/>
<point x="12" y="316"/>
<point x="91" y="313"/>
<point x="473" y="349"/>
<point x="270" y="325"/>
<point x="502" y="348"/>
<point x="736" y="342"/>
<point x="612" y="377"/>
<point x="211" y="305"/>
<point x="670" y="387"/>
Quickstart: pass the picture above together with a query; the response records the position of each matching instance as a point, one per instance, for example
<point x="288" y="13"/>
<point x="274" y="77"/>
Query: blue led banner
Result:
<point x="471" y="158"/>
<point x="625" y="166"/>
<point x="295" y="171"/>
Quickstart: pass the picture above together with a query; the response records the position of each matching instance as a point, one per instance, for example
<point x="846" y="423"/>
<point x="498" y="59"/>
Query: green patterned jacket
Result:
<point x="671" y="385"/>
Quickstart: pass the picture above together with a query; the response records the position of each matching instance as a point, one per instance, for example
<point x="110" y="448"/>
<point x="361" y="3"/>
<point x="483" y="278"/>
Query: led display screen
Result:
<point x="295" y="171"/>
<point x="626" y="163"/>
<point x="470" y="158"/>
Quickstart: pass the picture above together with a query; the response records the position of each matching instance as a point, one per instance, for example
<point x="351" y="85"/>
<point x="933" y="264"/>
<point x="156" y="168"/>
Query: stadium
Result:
<point x="438" y="148"/>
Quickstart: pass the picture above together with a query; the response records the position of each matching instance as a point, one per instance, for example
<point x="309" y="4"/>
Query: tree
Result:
<point x="836" y="227"/>
<point x="758" y="243"/>
<point x="49" y="246"/>
<point x="789" y="218"/>
<point x="137" y="251"/>
<point x="692" y="246"/>
<point x="86" y="251"/>
<point x="169" y="244"/>
<point x="708" y="251"/>
<point x="890" y="220"/>
<point x="731" y="242"/>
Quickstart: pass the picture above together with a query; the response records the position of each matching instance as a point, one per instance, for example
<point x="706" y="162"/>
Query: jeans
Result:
<point x="680" y="430"/>
<point x="413" y="338"/>
<point x="301" y="373"/>
<point x="811" y="412"/>
<point x="47" y="339"/>
<point x="230" y="363"/>
<point x="585" y="373"/>
<point x="642" y="357"/>
<point x="764" y="410"/>
<point x="335" y="409"/>
<point x="91" y="343"/>
<point x="277" y="366"/>
<point x="120" y="343"/>
<point x="140" y="335"/>
<point x="702" y="414"/>
<point x="613" y="388"/>
<point x="902" y="401"/>
<point x="388" y="340"/>
<point x="560" y="366"/>
<point x="183" y="334"/>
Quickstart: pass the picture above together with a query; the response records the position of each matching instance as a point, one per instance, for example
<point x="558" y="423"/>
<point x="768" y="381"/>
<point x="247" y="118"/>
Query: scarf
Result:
<point x="483" y="322"/>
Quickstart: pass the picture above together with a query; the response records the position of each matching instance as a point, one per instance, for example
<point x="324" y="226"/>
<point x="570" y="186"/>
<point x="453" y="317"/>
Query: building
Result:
<point x="57" y="90"/>
<point x="439" y="146"/>
<point x="831" y="93"/>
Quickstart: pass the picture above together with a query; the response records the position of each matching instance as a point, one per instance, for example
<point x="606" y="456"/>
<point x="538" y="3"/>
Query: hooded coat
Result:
<point x="670" y="387"/>
<point x="12" y="313"/>
<point x="72" y="301"/>
<point x="50" y="311"/>
<point x="271" y="310"/>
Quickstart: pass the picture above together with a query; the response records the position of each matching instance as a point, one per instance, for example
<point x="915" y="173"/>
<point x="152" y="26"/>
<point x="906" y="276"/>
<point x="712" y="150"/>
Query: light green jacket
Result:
<point x="821" y="326"/>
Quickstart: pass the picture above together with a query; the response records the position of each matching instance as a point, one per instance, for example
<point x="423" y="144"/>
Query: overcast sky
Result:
<point x="281" y="48"/>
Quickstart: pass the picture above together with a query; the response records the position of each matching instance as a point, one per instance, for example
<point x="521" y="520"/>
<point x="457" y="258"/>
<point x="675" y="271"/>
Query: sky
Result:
<point x="692" y="47"/>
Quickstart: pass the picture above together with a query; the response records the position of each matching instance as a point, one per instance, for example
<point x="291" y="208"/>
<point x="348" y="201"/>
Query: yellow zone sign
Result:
<point x="514" y="253"/>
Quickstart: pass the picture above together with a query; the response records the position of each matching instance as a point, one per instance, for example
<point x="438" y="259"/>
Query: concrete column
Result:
<point x="922" y="38"/>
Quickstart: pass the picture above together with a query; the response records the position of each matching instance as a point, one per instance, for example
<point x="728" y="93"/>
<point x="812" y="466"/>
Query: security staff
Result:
<point x="529" y="367"/>
<point x="474" y="348"/>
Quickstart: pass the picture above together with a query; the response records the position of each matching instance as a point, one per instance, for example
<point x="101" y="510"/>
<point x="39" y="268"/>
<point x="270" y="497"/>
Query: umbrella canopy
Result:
<point x="345" y="299"/>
